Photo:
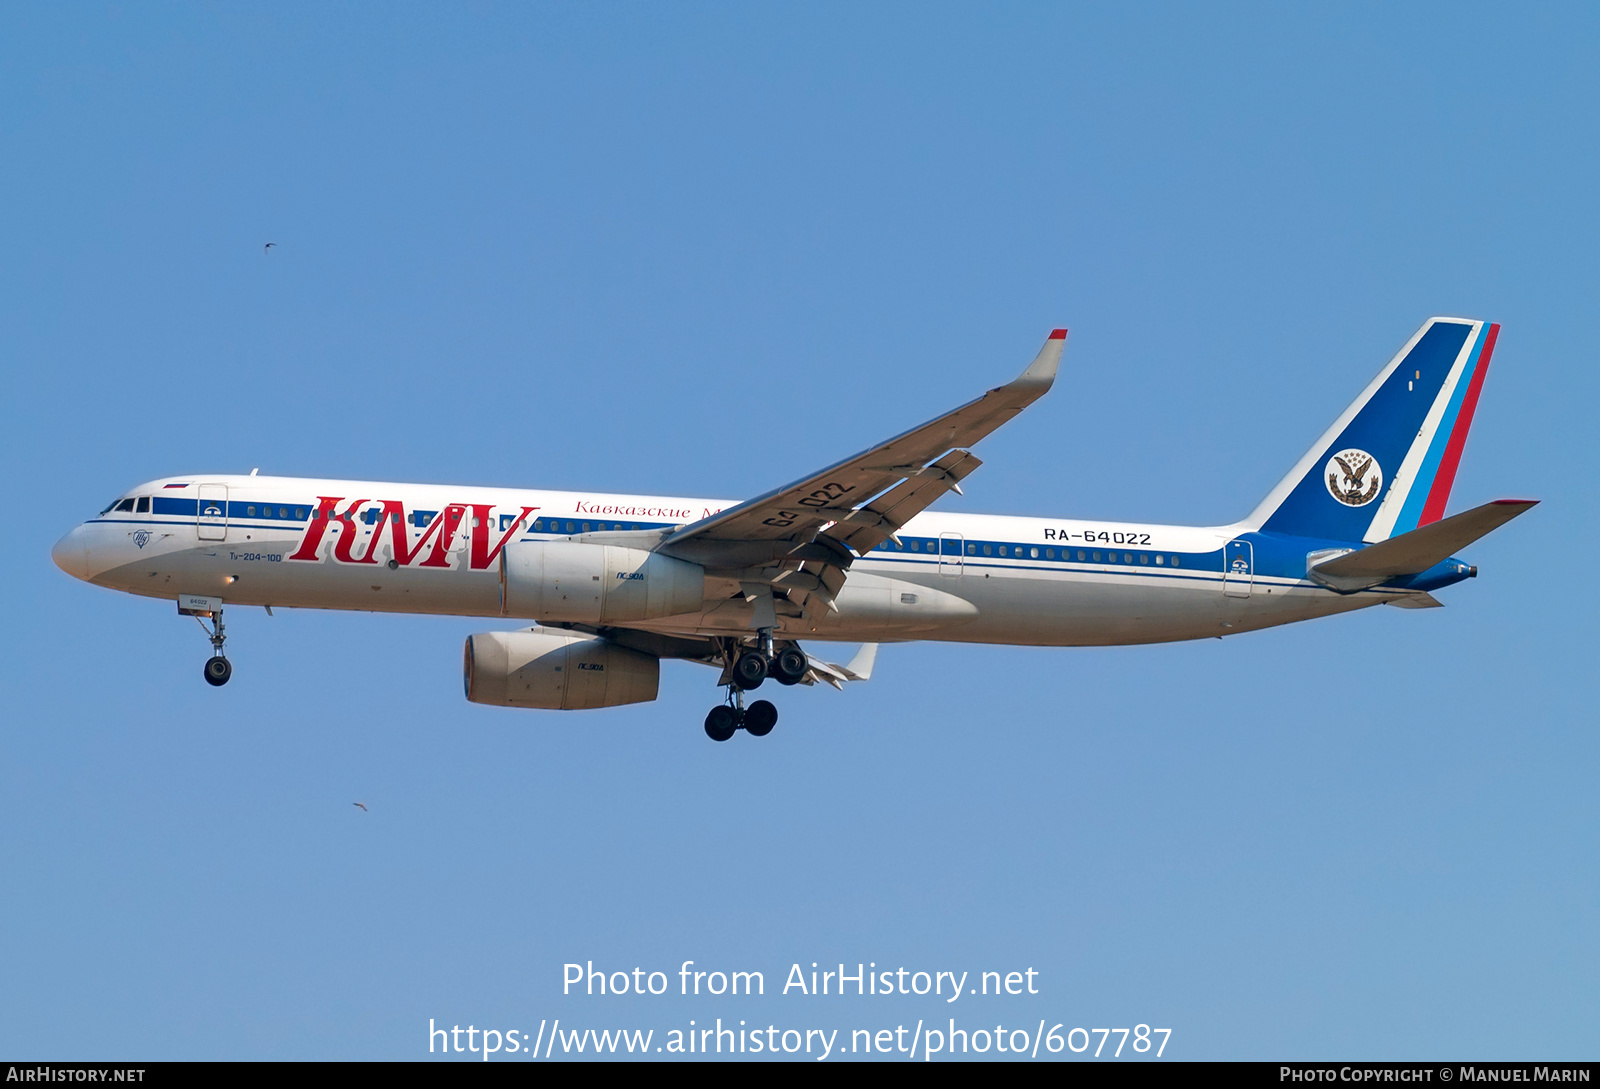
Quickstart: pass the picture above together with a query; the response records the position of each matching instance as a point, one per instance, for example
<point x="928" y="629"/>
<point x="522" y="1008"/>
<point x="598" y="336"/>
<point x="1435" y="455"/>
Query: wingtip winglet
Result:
<point x="1042" y="371"/>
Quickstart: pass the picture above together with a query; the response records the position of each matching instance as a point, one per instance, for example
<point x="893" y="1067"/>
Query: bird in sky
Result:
<point x="268" y="247"/>
<point x="363" y="805"/>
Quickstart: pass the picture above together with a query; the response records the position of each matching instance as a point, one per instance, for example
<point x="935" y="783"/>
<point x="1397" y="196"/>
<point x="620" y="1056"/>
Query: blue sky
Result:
<point x="700" y="250"/>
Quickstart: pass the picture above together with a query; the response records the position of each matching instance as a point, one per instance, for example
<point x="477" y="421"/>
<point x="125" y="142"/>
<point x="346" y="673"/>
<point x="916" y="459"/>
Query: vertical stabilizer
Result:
<point x="1387" y="464"/>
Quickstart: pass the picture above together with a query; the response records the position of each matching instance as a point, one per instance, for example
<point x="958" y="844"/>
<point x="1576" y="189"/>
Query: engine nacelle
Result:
<point x="558" y="671"/>
<point x="595" y="584"/>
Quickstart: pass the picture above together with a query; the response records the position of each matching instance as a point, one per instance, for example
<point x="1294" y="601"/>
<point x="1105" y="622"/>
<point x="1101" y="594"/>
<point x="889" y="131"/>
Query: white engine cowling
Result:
<point x="558" y="671"/>
<point x="595" y="584"/>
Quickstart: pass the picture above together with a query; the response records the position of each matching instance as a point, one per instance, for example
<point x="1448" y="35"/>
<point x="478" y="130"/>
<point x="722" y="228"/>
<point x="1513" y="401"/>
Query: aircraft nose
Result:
<point x="71" y="554"/>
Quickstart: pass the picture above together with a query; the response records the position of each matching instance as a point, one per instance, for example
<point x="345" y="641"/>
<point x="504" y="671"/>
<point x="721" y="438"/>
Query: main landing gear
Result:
<point x="218" y="668"/>
<point x="725" y="719"/>
<point x="750" y="669"/>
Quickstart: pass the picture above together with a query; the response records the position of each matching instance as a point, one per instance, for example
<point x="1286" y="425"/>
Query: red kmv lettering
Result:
<point x="440" y="534"/>
<point x="450" y="521"/>
<point x="393" y="514"/>
<point x="327" y="511"/>
<point x="482" y="555"/>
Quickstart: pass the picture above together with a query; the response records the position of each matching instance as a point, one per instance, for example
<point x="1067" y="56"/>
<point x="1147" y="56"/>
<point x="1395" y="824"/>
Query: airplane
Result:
<point x="614" y="583"/>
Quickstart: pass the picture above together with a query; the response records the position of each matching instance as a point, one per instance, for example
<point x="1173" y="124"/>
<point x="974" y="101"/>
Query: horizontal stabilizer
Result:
<point x="1414" y="552"/>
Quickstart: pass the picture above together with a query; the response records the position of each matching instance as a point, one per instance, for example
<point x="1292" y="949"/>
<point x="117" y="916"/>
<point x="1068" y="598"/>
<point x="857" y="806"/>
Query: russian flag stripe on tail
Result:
<point x="1445" y="476"/>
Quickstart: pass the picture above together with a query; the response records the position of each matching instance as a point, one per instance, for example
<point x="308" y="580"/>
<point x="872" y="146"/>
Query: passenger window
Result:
<point x="972" y="550"/>
<point x="142" y="506"/>
<point x="1097" y="557"/>
<point x="1174" y="561"/>
<point x="300" y="512"/>
<point x="1159" y="560"/>
<point x="1002" y="550"/>
<point x="987" y="551"/>
<point x="1144" y="557"/>
<point x="251" y="511"/>
<point x="569" y="527"/>
<point x="1049" y="553"/>
<point x="1033" y="553"/>
<point x="1080" y="556"/>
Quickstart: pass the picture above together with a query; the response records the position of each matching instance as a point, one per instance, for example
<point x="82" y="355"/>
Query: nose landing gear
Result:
<point x="218" y="669"/>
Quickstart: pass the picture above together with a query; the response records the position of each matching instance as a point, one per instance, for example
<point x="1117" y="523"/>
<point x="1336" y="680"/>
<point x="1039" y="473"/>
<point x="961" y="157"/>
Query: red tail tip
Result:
<point x="1058" y="334"/>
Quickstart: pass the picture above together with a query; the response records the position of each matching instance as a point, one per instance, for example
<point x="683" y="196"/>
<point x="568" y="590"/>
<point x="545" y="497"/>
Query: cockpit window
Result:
<point x="125" y="505"/>
<point x="107" y="508"/>
<point x="142" y="506"/>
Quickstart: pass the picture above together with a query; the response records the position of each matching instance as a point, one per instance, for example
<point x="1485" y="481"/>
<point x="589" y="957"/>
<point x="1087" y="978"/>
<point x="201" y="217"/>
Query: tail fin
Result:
<point x="1386" y="465"/>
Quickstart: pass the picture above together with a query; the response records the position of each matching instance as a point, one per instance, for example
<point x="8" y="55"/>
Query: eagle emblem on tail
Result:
<point x="1354" y="477"/>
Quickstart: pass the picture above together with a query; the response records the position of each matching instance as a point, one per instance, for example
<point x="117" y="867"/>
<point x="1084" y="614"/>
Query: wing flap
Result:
<point x="859" y="669"/>
<point x="868" y="527"/>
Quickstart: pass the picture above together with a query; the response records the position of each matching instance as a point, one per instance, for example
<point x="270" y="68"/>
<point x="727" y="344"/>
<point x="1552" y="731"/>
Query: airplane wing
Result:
<point x="802" y="537"/>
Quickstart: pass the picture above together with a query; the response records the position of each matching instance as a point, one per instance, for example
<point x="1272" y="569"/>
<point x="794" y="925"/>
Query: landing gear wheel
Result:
<point x="759" y="718"/>
<point x="790" y="666"/>
<point x="722" y="722"/>
<point x="218" y="670"/>
<point x="750" y="670"/>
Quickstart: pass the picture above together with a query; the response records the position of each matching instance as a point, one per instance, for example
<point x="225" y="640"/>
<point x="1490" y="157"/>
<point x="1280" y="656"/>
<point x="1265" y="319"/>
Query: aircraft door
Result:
<point x="211" y="513"/>
<point x="1238" y="568"/>
<point x="950" y="557"/>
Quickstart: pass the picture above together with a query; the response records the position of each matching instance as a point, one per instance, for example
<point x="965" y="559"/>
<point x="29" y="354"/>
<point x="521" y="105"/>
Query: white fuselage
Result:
<point x="418" y="548"/>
